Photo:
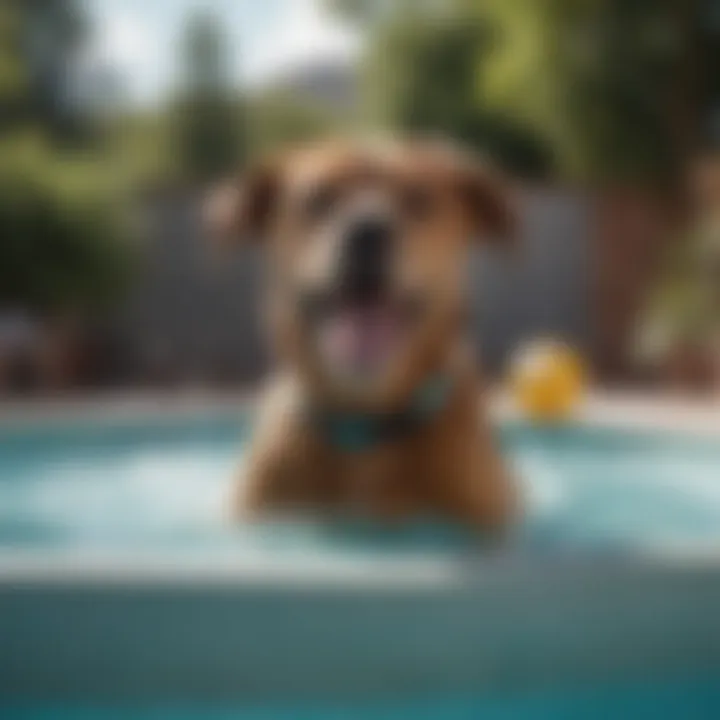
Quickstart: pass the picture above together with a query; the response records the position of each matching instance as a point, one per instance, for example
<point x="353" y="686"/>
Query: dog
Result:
<point x="376" y="408"/>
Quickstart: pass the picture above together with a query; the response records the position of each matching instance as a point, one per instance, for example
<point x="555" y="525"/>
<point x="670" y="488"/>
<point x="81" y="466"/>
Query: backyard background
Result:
<point x="117" y="115"/>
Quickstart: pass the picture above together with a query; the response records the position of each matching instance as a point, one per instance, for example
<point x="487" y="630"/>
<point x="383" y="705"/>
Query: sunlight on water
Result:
<point x="584" y="494"/>
<point x="128" y="493"/>
<point x="160" y="489"/>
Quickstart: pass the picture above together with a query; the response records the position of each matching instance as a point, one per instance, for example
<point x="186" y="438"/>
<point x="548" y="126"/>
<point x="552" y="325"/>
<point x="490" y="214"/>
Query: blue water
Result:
<point x="167" y="484"/>
<point x="679" y="700"/>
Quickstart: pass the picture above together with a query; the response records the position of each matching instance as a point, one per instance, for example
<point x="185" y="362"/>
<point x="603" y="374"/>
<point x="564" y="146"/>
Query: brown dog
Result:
<point x="375" y="408"/>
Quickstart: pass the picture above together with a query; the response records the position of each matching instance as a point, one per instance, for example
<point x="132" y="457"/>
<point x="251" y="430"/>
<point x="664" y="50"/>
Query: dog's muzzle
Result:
<point x="365" y="259"/>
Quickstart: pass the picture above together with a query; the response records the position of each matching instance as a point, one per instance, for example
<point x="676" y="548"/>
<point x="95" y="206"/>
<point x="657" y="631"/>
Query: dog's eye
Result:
<point x="417" y="202"/>
<point x="320" y="203"/>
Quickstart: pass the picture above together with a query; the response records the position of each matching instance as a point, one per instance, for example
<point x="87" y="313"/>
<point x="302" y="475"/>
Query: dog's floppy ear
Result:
<point x="242" y="209"/>
<point x="489" y="201"/>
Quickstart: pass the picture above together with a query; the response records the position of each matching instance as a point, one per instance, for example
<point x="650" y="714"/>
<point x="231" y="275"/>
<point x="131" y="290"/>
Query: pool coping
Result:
<point x="370" y="571"/>
<point x="671" y="412"/>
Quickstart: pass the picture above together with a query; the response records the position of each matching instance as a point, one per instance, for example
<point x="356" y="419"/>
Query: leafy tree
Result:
<point x="206" y="117"/>
<point x="14" y="78"/>
<point x="142" y="149"/>
<point x="615" y="88"/>
<point x="422" y="76"/>
<point x="278" y="119"/>
<point x="39" y="42"/>
<point x="683" y="308"/>
<point x="609" y="82"/>
<point x="65" y="234"/>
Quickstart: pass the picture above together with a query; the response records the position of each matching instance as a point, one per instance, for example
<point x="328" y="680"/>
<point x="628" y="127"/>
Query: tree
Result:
<point x="278" y="119"/>
<point x="610" y="83"/>
<point x="63" y="227"/>
<point x="683" y="308"/>
<point x="615" y="88"/>
<point x="207" y="124"/>
<point x="65" y="238"/>
<point x="39" y="42"/>
<point x="422" y="76"/>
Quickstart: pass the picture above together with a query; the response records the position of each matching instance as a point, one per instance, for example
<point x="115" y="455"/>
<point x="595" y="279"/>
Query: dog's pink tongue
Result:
<point x="359" y="339"/>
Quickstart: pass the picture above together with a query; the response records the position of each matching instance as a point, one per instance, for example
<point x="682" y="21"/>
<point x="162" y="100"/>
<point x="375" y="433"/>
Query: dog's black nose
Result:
<point x="365" y="258"/>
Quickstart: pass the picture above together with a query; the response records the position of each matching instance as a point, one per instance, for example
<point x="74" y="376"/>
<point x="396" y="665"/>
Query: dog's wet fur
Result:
<point x="368" y="245"/>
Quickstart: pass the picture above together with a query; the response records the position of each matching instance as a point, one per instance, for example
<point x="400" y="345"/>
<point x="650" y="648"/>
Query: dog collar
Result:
<point x="355" y="432"/>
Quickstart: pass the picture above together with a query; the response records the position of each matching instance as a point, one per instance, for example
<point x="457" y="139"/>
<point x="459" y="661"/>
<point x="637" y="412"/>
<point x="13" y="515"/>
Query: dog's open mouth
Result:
<point x="359" y="340"/>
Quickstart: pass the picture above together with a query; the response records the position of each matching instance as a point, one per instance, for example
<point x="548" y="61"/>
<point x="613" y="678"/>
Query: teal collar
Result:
<point x="356" y="432"/>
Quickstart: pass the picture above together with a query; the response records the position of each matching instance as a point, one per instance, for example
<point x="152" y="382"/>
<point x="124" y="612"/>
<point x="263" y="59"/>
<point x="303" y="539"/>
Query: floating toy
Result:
<point x="547" y="380"/>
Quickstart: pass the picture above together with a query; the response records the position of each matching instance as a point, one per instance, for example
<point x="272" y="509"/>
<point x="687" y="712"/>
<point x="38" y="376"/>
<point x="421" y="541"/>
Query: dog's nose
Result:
<point x="365" y="258"/>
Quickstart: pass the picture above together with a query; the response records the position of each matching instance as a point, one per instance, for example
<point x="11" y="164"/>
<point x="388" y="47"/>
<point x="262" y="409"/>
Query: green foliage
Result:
<point x="64" y="231"/>
<point x="685" y="303"/>
<point x="38" y="42"/>
<point x="604" y="87"/>
<point x="65" y="240"/>
<point x="420" y="74"/>
<point x="141" y="147"/>
<point x="206" y="121"/>
<point x="14" y="72"/>
<point x="277" y="120"/>
<point x="422" y="77"/>
<point x="144" y="144"/>
<point x="603" y="80"/>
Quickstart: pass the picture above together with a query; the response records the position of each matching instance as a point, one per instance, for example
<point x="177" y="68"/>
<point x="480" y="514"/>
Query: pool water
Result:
<point x="166" y="483"/>
<point x="686" y="699"/>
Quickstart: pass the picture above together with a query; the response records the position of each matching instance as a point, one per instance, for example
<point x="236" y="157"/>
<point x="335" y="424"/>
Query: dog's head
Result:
<point x="368" y="246"/>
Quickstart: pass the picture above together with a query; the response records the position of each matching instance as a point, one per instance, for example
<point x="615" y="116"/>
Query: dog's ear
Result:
<point x="242" y="209"/>
<point x="489" y="201"/>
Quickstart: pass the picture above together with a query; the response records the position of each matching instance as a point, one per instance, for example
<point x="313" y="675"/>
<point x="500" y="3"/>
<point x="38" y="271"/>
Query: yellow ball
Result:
<point x="547" y="380"/>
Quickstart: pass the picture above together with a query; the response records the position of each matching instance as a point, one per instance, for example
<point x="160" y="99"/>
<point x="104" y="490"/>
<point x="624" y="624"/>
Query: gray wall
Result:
<point x="193" y="313"/>
<point x="541" y="287"/>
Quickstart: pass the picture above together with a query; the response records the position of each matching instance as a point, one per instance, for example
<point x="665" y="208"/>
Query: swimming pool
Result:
<point x="120" y="582"/>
